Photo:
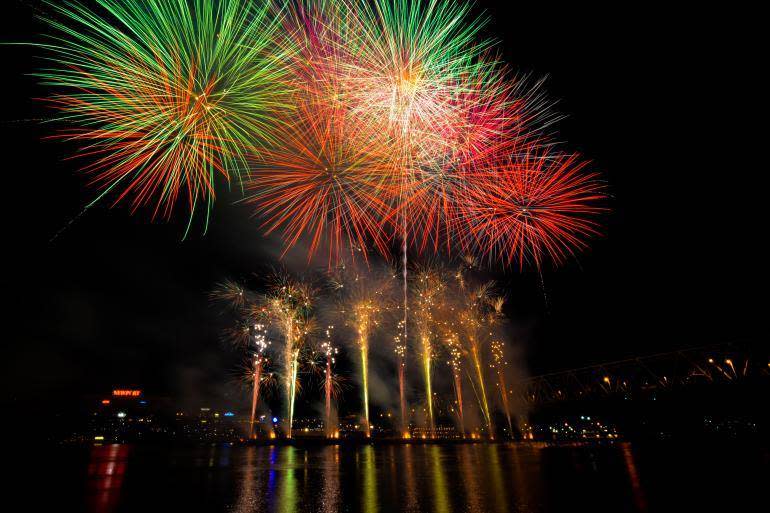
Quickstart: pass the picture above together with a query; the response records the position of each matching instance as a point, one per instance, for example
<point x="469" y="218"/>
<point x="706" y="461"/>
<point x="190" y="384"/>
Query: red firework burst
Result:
<point x="499" y="113"/>
<point x="532" y="206"/>
<point x="495" y="116"/>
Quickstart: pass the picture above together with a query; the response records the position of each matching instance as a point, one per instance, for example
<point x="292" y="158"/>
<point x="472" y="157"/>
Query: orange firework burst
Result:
<point x="323" y="183"/>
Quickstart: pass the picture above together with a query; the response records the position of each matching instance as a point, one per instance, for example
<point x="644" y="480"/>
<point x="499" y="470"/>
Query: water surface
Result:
<point x="390" y="478"/>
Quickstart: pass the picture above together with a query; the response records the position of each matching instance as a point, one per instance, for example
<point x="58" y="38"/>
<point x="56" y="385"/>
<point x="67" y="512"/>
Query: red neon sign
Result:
<point x="126" y="393"/>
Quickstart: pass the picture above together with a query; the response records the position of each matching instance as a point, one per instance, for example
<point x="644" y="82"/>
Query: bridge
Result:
<point x="641" y="376"/>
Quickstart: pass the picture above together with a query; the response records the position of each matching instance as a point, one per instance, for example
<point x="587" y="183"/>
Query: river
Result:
<point x="473" y="478"/>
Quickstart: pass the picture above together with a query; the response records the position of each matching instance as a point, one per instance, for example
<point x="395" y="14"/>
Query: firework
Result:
<point x="256" y="377"/>
<point x="399" y="347"/>
<point x="329" y="352"/>
<point x="249" y="333"/>
<point x="165" y="96"/>
<point x="401" y="75"/>
<point x="499" y="364"/>
<point x="428" y="289"/>
<point x="473" y="316"/>
<point x="330" y="178"/>
<point x="288" y="306"/>
<point x="230" y="293"/>
<point x="532" y="206"/>
<point x="321" y="183"/>
<point x="365" y="301"/>
<point x="403" y="67"/>
<point x="496" y="115"/>
<point x="455" y="357"/>
<point x="260" y="343"/>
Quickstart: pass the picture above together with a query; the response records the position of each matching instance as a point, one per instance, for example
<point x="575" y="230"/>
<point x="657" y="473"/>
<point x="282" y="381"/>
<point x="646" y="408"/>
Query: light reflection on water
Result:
<point x="391" y="478"/>
<point x="106" y="470"/>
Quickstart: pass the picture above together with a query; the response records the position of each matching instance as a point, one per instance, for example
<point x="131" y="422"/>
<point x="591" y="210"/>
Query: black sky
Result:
<point x="661" y="101"/>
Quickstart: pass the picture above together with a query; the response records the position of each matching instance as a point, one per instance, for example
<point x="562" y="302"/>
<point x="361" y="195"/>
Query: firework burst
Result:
<point x="322" y="183"/>
<point x="532" y="206"/>
<point x="231" y="293"/>
<point x="165" y="96"/>
<point x="405" y="61"/>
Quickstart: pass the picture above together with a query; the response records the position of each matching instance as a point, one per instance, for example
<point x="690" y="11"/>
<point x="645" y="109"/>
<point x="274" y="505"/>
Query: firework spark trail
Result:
<point x="328" y="397"/>
<point x="477" y="364"/>
<point x="458" y="387"/>
<point x="362" y="317"/>
<point x="365" y="379"/>
<point x="429" y="287"/>
<point x="499" y="364"/>
<point x="364" y="301"/>
<point x="452" y="342"/>
<point x="165" y="96"/>
<point x="258" y="331"/>
<point x="329" y="352"/>
<point x="402" y="396"/>
<point x="249" y="332"/>
<point x="400" y="351"/>
<point x="289" y="306"/>
<point x="426" y="369"/>
<point x="328" y="394"/>
<point x="255" y="393"/>
<point x="473" y="314"/>
<point x="292" y="389"/>
<point x="363" y="345"/>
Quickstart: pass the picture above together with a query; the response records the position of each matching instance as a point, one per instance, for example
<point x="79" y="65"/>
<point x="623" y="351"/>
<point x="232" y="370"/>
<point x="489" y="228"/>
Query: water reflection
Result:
<point x="249" y="495"/>
<point x="330" y="498"/>
<point x="383" y="479"/>
<point x="633" y="476"/>
<point x="287" y="494"/>
<point x="369" y="483"/>
<point x="440" y="495"/>
<point x="106" y="471"/>
<point x="470" y="482"/>
<point x="526" y="476"/>
<point x="492" y="457"/>
<point x="407" y="487"/>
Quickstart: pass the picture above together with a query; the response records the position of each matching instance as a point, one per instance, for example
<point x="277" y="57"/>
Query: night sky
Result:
<point x="660" y="101"/>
